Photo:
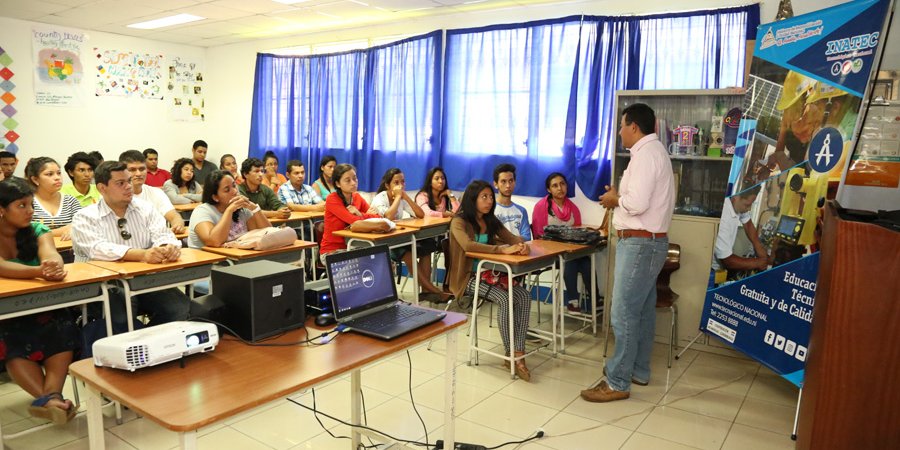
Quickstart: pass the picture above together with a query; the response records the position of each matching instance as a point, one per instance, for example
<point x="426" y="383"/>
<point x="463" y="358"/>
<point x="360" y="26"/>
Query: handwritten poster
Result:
<point x="129" y="74"/>
<point x="185" y="89"/>
<point x="57" y="65"/>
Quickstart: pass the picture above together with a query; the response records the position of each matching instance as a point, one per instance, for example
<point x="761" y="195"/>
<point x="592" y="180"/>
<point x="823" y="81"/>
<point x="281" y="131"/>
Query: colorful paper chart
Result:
<point x="8" y="143"/>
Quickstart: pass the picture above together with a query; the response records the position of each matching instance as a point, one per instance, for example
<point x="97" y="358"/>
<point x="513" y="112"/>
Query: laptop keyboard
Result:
<point x="385" y="318"/>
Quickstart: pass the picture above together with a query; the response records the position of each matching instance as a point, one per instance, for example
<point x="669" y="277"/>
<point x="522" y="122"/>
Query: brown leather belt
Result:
<point x="623" y="234"/>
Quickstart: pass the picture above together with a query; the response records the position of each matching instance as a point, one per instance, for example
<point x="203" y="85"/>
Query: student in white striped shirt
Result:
<point x="51" y="207"/>
<point x="123" y="228"/>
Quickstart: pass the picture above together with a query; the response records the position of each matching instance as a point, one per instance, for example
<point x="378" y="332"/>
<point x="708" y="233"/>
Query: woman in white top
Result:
<point x="225" y="214"/>
<point x="393" y="203"/>
<point x="182" y="188"/>
<point x="51" y="207"/>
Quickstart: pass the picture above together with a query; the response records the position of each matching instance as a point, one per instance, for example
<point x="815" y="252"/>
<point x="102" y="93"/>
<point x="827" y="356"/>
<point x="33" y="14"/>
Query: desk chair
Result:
<point x="666" y="297"/>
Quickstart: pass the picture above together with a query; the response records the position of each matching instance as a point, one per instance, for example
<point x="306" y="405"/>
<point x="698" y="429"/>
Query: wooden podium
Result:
<point x="851" y="390"/>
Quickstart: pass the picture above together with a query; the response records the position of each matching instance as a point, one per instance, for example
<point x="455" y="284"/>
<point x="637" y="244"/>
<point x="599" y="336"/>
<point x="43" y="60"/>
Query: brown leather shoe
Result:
<point x="633" y="380"/>
<point x="521" y="370"/>
<point x="603" y="393"/>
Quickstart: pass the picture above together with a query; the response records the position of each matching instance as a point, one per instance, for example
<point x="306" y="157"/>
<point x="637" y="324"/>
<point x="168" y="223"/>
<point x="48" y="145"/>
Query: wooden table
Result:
<point x="61" y="245"/>
<point x="287" y="254"/>
<point x="140" y="277"/>
<point x="235" y="378"/>
<point x="186" y="210"/>
<point x="542" y="255"/>
<point x="83" y="284"/>
<point x="401" y="236"/>
<point x="297" y="218"/>
<point x="427" y="227"/>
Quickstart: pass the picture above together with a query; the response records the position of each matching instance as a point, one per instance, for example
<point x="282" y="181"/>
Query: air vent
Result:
<point x="137" y="356"/>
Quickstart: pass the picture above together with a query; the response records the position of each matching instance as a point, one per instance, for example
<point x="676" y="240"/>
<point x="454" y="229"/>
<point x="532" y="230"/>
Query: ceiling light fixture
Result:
<point x="177" y="19"/>
<point x="290" y="2"/>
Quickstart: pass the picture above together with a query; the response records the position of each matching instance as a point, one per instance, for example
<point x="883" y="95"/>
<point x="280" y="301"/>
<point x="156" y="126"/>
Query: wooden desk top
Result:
<point x="239" y="254"/>
<point x="62" y="245"/>
<point x="539" y="249"/>
<point x="189" y="258"/>
<point x="298" y="215"/>
<point x="425" y="222"/>
<point x="375" y="237"/>
<point x="186" y="207"/>
<point x="235" y="377"/>
<point x="79" y="273"/>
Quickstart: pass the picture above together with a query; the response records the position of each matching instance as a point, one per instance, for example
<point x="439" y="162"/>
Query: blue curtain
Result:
<point x="507" y="92"/>
<point x="539" y="95"/>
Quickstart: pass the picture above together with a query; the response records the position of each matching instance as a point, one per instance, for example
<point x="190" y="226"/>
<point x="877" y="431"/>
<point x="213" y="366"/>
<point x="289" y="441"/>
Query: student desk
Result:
<point x="297" y="220"/>
<point x="186" y="210"/>
<point x="140" y="277"/>
<point x="428" y="227"/>
<point x="542" y="255"/>
<point x="61" y="245"/>
<point x="214" y="386"/>
<point x="288" y="254"/>
<point x="83" y="284"/>
<point x="570" y="252"/>
<point x="401" y="236"/>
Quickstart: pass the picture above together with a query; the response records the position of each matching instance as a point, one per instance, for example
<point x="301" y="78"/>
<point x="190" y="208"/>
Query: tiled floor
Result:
<point x="704" y="401"/>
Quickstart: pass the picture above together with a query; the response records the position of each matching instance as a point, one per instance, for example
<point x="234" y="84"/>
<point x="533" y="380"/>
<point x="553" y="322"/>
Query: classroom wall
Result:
<point x="107" y="124"/>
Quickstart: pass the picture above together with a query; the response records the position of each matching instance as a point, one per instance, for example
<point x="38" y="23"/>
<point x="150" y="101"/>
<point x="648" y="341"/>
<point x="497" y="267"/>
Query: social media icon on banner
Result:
<point x="770" y="337"/>
<point x="779" y="342"/>
<point x="789" y="347"/>
<point x="801" y="353"/>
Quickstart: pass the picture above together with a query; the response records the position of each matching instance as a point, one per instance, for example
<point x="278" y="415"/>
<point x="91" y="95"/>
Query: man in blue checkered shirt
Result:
<point x="295" y="194"/>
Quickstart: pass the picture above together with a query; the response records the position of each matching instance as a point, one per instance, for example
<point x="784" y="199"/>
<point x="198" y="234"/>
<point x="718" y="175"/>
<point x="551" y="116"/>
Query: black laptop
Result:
<point x="364" y="295"/>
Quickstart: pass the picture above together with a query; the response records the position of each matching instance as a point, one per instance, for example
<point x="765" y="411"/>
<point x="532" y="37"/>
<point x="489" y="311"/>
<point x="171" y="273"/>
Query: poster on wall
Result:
<point x="185" y="90"/>
<point x="58" y="67"/>
<point x="8" y="130"/>
<point x="129" y="74"/>
<point x="806" y="84"/>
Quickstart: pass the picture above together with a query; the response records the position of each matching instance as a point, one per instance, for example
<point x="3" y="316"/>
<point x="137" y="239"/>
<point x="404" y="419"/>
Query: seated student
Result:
<point x="156" y="176"/>
<point x="225" y="214"/>
<point x="295" y="194"/>
<point x="123" y="228"/>
<point x="271" y="177"/>
<point x="136" y="166"/>
<point x="325" y="184"/>
<point x="98" y="157"/>
<point x="51" y="207"/>
<point x="182" y="188"/>
<point x="557" y="209"/>
<point x="37" y="348"/>
<point x="259" y="193"/>
<point x="80" y="168"/>
<point x="229" y="164"/>
<point x="202" y="168"/>
<point x="345" y="208"/>
<point x="8" y="163"/>
<point x="435" y="198"/>
<point x="475" y="228"/>
<point x="512" y="215"/>
<point x="393" y="203"/>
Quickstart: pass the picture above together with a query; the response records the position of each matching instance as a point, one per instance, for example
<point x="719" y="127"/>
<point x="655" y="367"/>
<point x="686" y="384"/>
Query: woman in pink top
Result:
<point x="557" y="209"/>
<point x="435" y="198"/>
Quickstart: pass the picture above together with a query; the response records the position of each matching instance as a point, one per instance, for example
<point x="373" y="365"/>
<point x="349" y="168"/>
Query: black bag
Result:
<point x="575" y="235"/>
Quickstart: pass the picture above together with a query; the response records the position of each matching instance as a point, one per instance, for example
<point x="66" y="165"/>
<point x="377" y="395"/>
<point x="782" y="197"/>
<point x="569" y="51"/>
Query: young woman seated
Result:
<point x="435" y="198"/>
<point x="346" y="209"/>
<point x="475" y="228"/>
<point x="393" y="203"/>
<point x="271" y="177"/>
<point x="557" y="209"/>
<point x="51" y="207"/>
<point x="225" y="215"/>
<point x="325" y="184"/>
<point x="229" y="164"/>
<point x="182" y="188"/>
<point x="37" y="348"/>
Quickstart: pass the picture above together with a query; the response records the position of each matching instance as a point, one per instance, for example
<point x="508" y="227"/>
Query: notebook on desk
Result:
<point x="364" y="295"/>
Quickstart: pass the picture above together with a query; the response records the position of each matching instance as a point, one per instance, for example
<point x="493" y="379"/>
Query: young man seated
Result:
<point x="135" y="165"/>
<point x="260" y="194"/>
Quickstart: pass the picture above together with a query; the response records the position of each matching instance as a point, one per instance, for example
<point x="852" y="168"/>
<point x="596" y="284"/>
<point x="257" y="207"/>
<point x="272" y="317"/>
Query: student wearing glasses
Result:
<point x="123" y="228"/>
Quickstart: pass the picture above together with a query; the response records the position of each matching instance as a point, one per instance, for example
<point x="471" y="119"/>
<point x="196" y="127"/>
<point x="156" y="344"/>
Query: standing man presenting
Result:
<point x="642" y="214"/>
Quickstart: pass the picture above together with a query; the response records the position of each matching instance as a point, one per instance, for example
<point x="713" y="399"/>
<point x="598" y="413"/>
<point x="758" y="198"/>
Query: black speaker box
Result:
<point x="263" y="298"/>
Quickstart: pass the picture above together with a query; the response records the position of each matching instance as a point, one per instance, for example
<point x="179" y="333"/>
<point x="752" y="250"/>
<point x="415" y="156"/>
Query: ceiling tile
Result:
<point x="252" y="6"/>
<point x="402" y="5"/>
<point x="38" y="6"/>
<point x="108" y="12"/>
<point x="205" y="30"/>
<point x="211" y="11"/>
<point x="164" y="5"/>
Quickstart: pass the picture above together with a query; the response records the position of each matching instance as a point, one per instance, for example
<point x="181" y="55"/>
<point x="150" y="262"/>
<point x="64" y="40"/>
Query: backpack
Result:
<point x="575" y="235"/>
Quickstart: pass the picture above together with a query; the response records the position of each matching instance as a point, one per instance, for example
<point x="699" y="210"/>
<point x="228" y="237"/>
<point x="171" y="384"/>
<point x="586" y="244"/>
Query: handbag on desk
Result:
<point x="264" y="239"/>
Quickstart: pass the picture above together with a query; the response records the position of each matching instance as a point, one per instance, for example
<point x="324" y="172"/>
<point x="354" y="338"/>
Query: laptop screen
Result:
<point x="360" y="279"/>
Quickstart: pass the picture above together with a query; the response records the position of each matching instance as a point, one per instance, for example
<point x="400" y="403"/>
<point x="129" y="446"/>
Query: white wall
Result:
<point x="106" y="124"/>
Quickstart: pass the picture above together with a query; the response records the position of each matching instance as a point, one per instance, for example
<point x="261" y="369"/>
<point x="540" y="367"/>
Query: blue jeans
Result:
<point x="638" y="263"/>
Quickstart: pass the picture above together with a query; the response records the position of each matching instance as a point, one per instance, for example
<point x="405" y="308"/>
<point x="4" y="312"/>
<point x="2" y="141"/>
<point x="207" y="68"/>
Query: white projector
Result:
<point x="155" y="345"/>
